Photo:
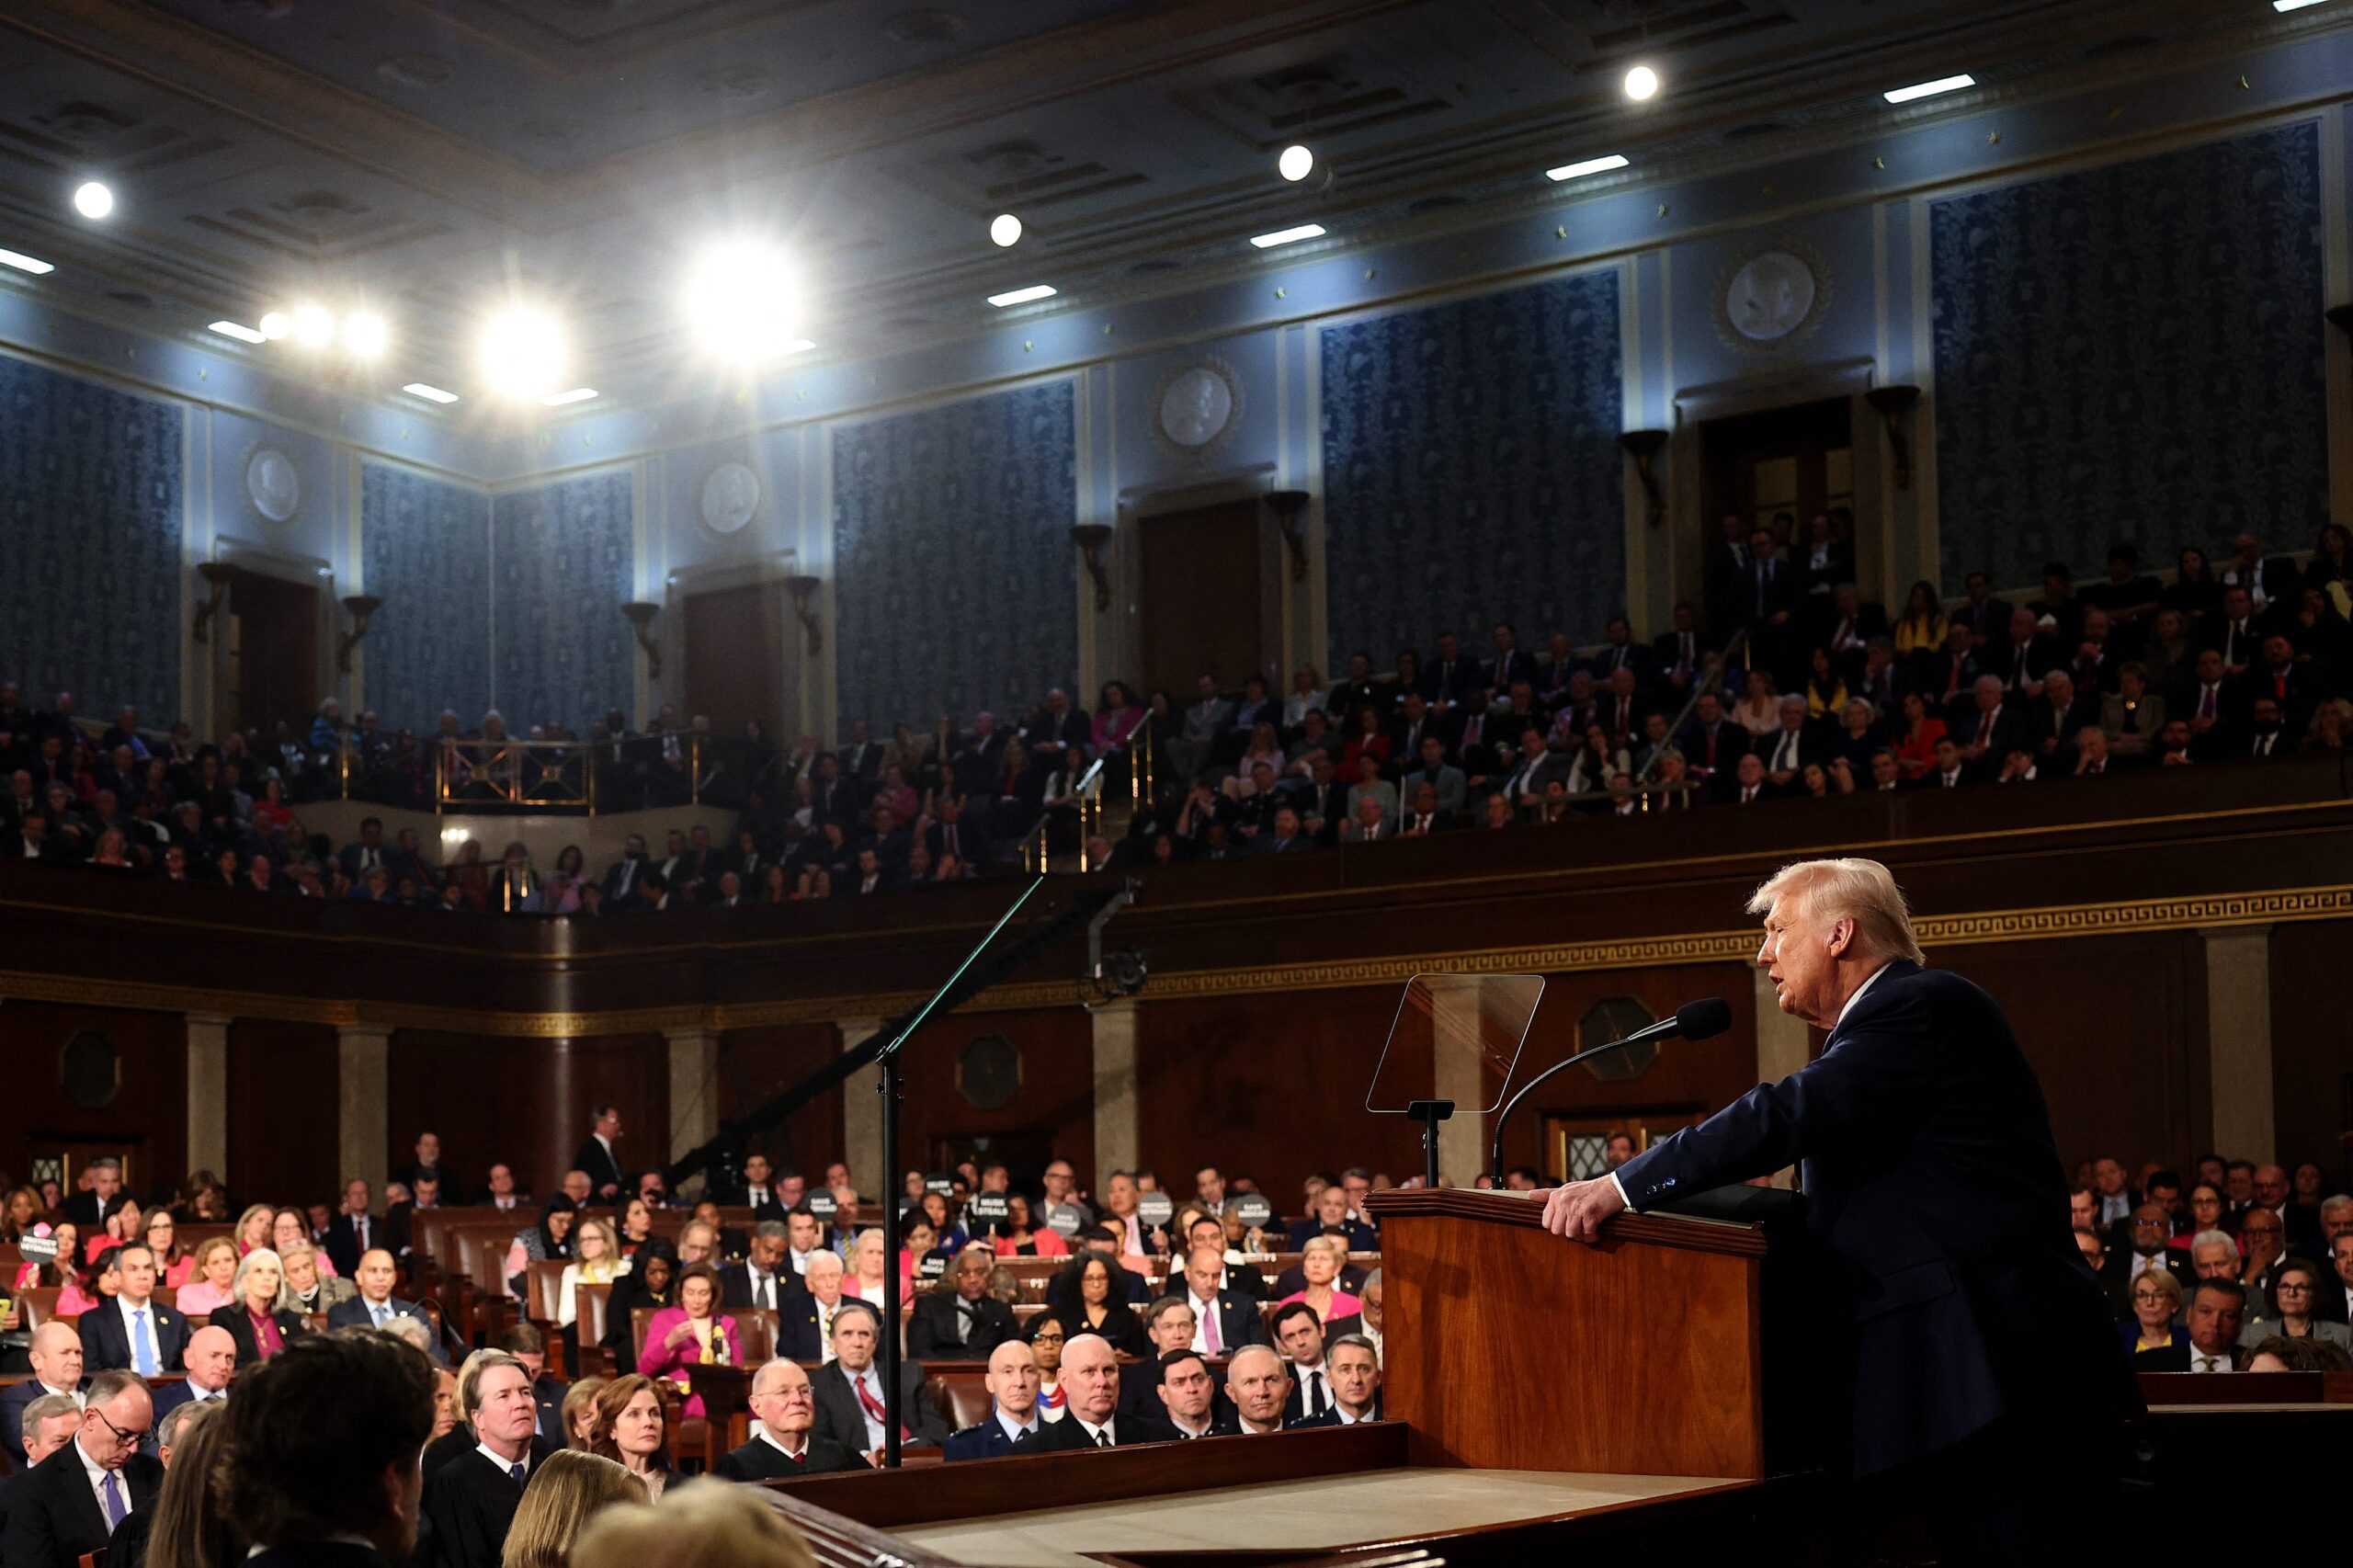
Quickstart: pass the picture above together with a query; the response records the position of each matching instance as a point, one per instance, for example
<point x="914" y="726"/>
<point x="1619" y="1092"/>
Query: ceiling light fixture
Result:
<point x="92" y="200"/>
<point x="366" y="335"/>
<point x="276" y="325"/>
<point x="1295" y="164"/>
<point x="1589" y="167"/>
<point x="1930" y="89"/>
<point x="577" y="394"/>
<point x="24" y="263"/>
<point x="523" y="352"/>
<point x="1022" y="296"/>
<point x="1642" y="83"/>
<point x="2286" y="5"/>
<point x="237" y="330"/>
<point x="1005" y="230"/>
<point x="1287" y="236"/>
<point x="313" y="327"/>
<point x="430" y="393"/>
<point x="743" y="303"/>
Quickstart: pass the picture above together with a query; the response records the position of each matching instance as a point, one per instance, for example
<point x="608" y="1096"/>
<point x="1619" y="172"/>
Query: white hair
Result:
<point x="1861" y="890"/>
<point x="2211" y="1239"/>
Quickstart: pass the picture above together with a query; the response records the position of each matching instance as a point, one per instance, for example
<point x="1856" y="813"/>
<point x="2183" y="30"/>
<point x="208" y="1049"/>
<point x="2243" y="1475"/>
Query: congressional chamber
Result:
<point x="841" y="784"/>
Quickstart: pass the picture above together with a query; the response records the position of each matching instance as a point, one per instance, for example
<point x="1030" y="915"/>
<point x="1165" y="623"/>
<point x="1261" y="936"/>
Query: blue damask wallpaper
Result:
<point x="1471" y="472"/>
<point x="957" y="582"/>
<point x="90" y="486"/>
<point x="425" y="545"/>
<point x="2133" y="352"/>
<point x="562" y="561"/>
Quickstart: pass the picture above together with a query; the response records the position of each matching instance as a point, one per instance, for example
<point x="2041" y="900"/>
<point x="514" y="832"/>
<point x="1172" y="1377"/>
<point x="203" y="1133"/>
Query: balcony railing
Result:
<point x="668" y="767"/>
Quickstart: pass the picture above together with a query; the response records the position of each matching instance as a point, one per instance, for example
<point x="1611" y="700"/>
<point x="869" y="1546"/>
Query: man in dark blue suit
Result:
<point x="1014" y="1425"/>
<point x="135" y="1331"/>
<point x="1982" y="1377"/>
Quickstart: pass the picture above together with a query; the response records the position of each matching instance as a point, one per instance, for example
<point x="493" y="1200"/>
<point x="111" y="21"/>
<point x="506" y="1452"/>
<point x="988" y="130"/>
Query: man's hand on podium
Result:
<point x="1577" y="1210"/>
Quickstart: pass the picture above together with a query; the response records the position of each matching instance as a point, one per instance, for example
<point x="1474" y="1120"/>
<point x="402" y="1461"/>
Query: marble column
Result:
<point x="208" y="1094"/>
<point x="1784" y="1044"/>
<point x="2238" y="1041"/>
<point x="1458" y="1075"/>
<point x="1117" y="1136"/>
<point x="694" y="1090"/>
<point x="363" y="1080"/>
<point x="862" y="1115"/>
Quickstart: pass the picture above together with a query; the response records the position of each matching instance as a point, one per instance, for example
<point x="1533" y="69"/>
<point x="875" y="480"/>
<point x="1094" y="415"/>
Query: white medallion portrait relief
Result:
<point x="1197" y="407"/>
<point x="730" y="497"/>
<point x="273" y="485"/>
<point x="1770" y="297"/>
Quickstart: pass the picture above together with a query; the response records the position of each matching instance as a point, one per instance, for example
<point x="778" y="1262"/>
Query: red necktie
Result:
<point x="1985" y="730"/>
<point x="2279" y="685"/>
<point x="874" y="1405"/>
<point x="2206" y="704"/>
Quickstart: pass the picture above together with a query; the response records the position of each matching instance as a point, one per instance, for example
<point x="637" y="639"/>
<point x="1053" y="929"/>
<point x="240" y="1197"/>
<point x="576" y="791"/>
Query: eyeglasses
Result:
<point x="121" y="1437"/>
<point x="2292" y="1288"/>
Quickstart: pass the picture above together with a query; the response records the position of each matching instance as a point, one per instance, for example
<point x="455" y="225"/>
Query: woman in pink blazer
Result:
<point x="690" y="1334"/>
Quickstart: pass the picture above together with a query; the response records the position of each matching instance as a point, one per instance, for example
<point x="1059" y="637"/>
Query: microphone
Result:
<point x="1703" y="1019"/>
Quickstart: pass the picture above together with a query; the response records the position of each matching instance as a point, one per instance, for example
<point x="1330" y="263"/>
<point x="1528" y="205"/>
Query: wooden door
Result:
<point x="1796" y="462"/>
<point x="273" y="654"/>
<point x="1204" y="589"/>
<point x="737" y="658"/>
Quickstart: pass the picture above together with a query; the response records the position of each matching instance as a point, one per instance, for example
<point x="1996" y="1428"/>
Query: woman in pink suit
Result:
<point x="690" y="1334"/>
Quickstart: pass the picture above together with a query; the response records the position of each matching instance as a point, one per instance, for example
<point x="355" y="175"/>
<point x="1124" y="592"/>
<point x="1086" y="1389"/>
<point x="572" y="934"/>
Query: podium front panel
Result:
<point x="1506" y="1347"/>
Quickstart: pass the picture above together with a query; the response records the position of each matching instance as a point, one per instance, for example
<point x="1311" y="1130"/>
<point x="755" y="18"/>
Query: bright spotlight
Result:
<point x="237" y="330"/>
<point x="1295" y="164"/>
<point x="1005" y="229"/>
<point x="276" y="325"/>
<point x="1642" y="83"/>
<point x="523" y="352"/>
<point x="741" y="302"/>
<point x="313" y="328"/>
<point x="365" y="335"/>
<point x="92" y="200"/>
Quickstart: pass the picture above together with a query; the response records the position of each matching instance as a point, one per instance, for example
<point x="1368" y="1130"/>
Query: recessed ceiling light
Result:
<point x="313" y="328"/>
<point x="799" y="345"/>
<point x="24" y="263"/>
<point x="276" y="325"/>
<point x="577" y="394"/>
<point x="1295" y="164"/>
<point x="1022" y="296"/>
<point x="237" y="330"/>
<point x="1930" y="89"/>
<point x="1641" y="83"/>
<point x="365" y="335"/>
<point x="1005" y="229"/>
<point x="430" y="393"/>
<point x="2294" y="4"/>
<point x="1590" y="166"/>
<point x="1287" y="236"/>
<point x="92" y="200"/>
<point x="523" y="352"/>
<point x="743" y="302"/>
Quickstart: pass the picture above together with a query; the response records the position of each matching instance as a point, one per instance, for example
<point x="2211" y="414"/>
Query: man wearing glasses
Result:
<point x="70" y="1502"/>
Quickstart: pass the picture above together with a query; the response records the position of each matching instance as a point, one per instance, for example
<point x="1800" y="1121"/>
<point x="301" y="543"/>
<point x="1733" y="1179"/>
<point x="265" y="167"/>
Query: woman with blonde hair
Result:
<point x="707" y="1523"/>
<point x="567" y="1489"/>
<point x="259" y="1317"/>
<point x="306" y="1288"/>
<point x="1321" y="1259"/>
<point x="580" y="1413"/>
<point x="630" y="1429"/>
<point x="193" y="1527"/>
<point x="253" y="1227"/>
<point x="214" y="1271"/>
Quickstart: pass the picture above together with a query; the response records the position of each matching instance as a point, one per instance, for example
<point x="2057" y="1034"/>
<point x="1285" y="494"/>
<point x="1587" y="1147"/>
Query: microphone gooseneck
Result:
<point x="1703" y="1019"/>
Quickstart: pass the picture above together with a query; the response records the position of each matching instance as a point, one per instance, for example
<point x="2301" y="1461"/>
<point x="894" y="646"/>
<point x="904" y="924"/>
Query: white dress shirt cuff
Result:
<point x="1622" y="1189"/>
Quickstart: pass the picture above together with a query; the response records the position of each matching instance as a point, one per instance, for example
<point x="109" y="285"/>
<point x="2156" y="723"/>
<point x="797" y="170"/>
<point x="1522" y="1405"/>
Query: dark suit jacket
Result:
<point x="1140" y="1394"/>
<point x="2173" y="1358"/>
<point x="469" y="1506"/>
<point x="758" y="1461"/>
<point x="1239" y="1322"/>
<point x="171" y="1396"/>
<point x="342" y="1242"/>
<point x="81" y="1208"/>
<point x="353" y="1313"/>
<point x="604" y="1169"/>
<point x="240" y="1329"/>
<point x="13" y="1400"/>
<point x="54" y="1516"/>
<point x="1332" y="1417"/>
<point x="931" y="1328"/>
<point x="106" y="1343"/>
<point x="735" y="1286"/>
<point x="988" y="1441"/>
<point x="841" y="1419"/>
<point x="1067" y="1435"/>
<point x="1934" y="1192"/>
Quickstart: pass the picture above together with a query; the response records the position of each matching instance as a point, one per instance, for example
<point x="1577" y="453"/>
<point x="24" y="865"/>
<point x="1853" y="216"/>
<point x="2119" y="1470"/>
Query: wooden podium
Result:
<point x="1506" y="1347"/>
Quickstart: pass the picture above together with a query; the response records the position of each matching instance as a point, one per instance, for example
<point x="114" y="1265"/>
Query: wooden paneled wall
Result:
<point x="283" y="1103"/>
<point x="148" y="1109"/>
<point x="527" y="1102"/>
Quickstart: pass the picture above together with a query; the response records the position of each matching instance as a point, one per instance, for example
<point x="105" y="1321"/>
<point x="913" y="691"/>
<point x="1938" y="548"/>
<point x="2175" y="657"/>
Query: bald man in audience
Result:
<point x="1224" y="1318"/>
<point x="1354" y="1368"/>
<point x="1259" y="1385"/>
<point x="70" y="1502"/>
<point x="1090" y="1388"/>
<point x="56" y="1355"/>
<point x="211" y="1360"/>
<point x="784" y="1408"/>
<point x="1015" y="1426"/>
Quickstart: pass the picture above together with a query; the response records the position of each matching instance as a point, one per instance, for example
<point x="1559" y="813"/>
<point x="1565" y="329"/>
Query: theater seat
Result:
<point x="962" y="1402"/>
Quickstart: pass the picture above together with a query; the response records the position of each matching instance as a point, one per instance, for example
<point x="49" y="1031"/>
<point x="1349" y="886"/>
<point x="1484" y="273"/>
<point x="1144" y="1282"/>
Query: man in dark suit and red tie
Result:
<point x="784" y="1408"/>
<point x="1983" y="1384"/>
